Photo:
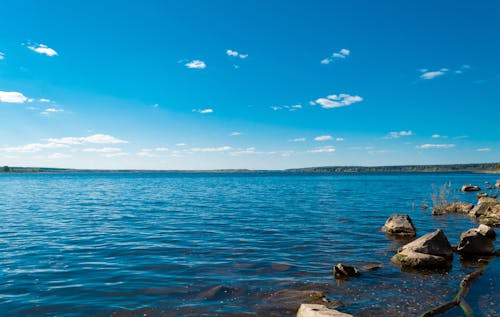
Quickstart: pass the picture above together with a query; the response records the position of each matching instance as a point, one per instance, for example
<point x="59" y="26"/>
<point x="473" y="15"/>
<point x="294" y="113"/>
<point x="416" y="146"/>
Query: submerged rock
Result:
<point x="343" y="271"/>
<point x="315" y="310"/>
<point x="477" y="241"/>
<point x="470" y="188"/>
<point x="431" y="251"/>
<point x="400" y="225"/>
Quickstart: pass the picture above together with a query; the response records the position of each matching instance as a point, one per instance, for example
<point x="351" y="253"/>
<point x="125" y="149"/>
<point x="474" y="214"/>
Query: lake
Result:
<point x="221" y="244"/>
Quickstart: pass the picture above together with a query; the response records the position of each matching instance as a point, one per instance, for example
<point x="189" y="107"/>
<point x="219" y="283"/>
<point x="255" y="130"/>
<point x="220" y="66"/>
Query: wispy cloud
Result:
<point x="94" y="139"/>
<point x="323" y="149"/>
<point x="145" y="153"/>
<point x="2" y="56"/>
<point x="286" y="107"/>
<point x="339" y="139"/>
<point x="426" y="74"/>
<point x="210" y="149"/>
<point x="45" y="100"/>
<point x="435" y="146"/>
<point x="42" y="49"/>
<point x="12" y="97"/>
<point x="196" y="64"/>
<point x="103" y="150"/>
<point x="181" y="144"/>
<point x="484" y="149"/>
<point x="397" y="135"/>
<point x="204" y="111"/>
<point x="112" y="155"/>
<point x="235" y="133"/>
<point x="335" y="101"/>
<point x="56" y="156"/>
<point x="323" y="138"/>
<point x="48" y="111"/>
<point x="342" y="54"/>
<point x="33" y="147"/>
<point x="161" y="149"/>
<point x="236" y="54"/>
<point x="298" y="140"/>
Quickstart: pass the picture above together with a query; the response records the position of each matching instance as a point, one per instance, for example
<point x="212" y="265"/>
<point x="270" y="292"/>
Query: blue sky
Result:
<point x="238" y="84"/>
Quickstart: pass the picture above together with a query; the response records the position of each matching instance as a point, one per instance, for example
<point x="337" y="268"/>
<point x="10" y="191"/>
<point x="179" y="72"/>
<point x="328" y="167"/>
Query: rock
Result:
<point x="476" y="242"/>
<point x="459" y="207"/>
<point x="371" y="266"/>
<point x="470" y="188"/>
<point x="490" y="214"/>
<point x="487" y="231"/>
<point x="497" y="185"/>
<point x="481" y="195"/>
<point x="485" y="199"/>
<point x="400" y="225"/>
<point x="431" y="251"/>
<point x="217" y="292"/>
<point x="315" y="310"/>
<point x="343" y="271"/>
<point x="486" y="182"/>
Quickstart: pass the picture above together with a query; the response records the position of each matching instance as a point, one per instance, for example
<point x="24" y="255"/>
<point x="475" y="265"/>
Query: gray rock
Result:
<point x="470" y="188"/>
<point x="487" y="231"/>
<point x="316" y="310"/>
<point x="343" y="271"/>
<point x="474" y="242"/>
<point x="400" y="225"/>
<point x="431" y="251"/>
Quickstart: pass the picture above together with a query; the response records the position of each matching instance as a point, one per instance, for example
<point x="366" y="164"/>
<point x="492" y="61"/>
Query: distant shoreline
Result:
<point x="483" y="168"/>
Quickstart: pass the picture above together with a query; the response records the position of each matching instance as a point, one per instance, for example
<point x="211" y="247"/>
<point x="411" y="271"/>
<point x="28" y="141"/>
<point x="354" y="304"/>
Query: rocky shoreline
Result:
<point x="433" y="252"/>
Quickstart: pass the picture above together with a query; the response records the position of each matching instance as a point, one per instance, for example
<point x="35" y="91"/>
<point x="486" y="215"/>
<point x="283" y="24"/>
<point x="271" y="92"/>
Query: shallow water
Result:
<point x="220" y="245"/>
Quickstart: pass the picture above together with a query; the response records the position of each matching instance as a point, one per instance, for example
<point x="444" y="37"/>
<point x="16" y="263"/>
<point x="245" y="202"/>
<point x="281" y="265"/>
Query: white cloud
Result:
<point x="12" y="97"/>
<point x="335" y="101"/>
<point x="161" y="149"/>
<point x="426" y="74"/>
<point x="435" y="146"/>
<point x="55" y="156"/>
<point x="484" y="149"/>
<point x="235" y="133"/>
<point x="324" y="149"/>
<point x="44" y="100"/>
<point x="33" y="147"/>
<point x="342" y="54"/>
<point x="111" y="155"/>
<point x="103" y="150"/>
<point x="236" y="54"/>
<point x="95" y="139"/>
<point x="323" y="138"/>
<point x="51" y="110"/>
<point x="298" y="140"/>
<point x="43" y="49"/>
<point x="145" y="153"/>
<point x="339" y="139"/>
<point x="2" y="56"/>
<point x="204" y="111"/>
<point x="181" y="144"/>
<point x="286" y="107"/>
<point x="196" y="64"/>
<point x="397" y="135"/>
<point x="436" y="136"/>
<point x="211" y="149"/>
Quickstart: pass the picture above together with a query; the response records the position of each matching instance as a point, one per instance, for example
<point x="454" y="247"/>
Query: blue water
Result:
<point x="158" y="244"/>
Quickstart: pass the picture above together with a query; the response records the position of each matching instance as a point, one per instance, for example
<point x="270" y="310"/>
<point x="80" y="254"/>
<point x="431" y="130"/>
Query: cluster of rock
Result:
<point x="487" y="210"/>
<point x="434" y="251"/>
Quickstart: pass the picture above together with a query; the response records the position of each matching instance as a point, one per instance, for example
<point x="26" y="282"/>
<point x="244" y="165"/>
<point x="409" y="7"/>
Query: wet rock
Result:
<point x="481" y="195"/>
<point x="459" y="207"/>
<point x="431" y="251"/>
<point x="217" y="292"/>
<point x="477" y="241"/>
<point x="315" y="310"/>
<point x="488" y="213"/>
<point x="344" y="271"/>
<point x="400" y="225"/>
<point x="470" y="188"/>
<point x="371" y="266"/>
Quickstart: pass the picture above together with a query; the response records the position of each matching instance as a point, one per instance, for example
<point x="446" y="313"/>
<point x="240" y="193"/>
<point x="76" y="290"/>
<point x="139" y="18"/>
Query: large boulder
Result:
<point x="478" y="241"/>
<point x="316" y="310"/>
<point x="470" y="188"/>
<point x="431" y="251"/>
<point x="400" y="225"/>
<point x="490" y="214"/>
